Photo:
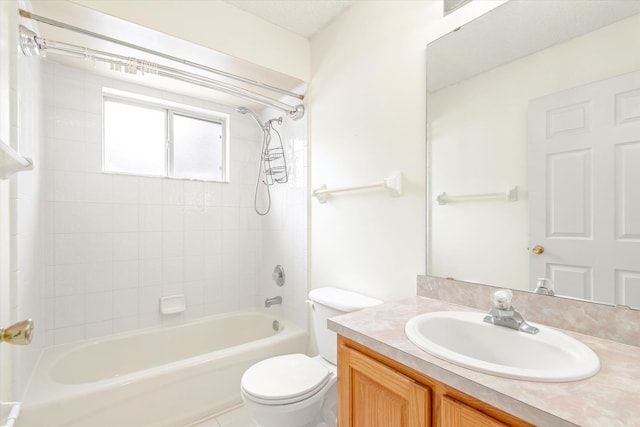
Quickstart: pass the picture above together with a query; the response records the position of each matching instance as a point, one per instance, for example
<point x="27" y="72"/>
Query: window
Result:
<point x="148" y="137"/>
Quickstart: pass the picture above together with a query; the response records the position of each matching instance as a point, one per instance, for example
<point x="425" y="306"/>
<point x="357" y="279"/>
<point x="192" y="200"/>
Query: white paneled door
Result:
<point x="584" y="190"/>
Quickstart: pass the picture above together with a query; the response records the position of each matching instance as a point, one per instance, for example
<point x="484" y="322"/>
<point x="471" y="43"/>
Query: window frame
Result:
<point x="170" y="109"/>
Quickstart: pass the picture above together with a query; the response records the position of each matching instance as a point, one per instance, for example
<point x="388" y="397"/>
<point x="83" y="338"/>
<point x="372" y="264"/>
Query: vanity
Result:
<point x="386" y="380"/>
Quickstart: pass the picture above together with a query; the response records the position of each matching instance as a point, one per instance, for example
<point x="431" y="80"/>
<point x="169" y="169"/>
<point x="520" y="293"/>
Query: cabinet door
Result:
<point x="457" y="414"/>
<point x="374" y="395"/>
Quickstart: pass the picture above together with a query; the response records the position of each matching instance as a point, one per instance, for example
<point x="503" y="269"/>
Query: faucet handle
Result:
<point x="502" y="299"/>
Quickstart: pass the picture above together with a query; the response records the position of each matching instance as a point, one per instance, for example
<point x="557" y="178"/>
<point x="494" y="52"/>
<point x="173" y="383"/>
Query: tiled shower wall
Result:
<point x="26" y="212"/>
<point x="285" y="229"/>
<point x="115" y="244"/>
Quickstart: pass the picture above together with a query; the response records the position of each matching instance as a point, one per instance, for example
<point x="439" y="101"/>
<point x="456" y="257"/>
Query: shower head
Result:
<point x="245" y="110"/>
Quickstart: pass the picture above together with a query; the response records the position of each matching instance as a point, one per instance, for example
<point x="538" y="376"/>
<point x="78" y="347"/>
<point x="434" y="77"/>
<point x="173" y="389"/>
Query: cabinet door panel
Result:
<point x="456" y="414"/>
<point x="378" y="396"/>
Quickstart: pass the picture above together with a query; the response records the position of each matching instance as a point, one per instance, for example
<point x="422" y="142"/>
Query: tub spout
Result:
<point x="272" y="301"/>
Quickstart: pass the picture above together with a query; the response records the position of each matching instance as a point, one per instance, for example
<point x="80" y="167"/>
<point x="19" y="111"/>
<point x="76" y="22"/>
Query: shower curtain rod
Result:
<point x="27" y="36"/>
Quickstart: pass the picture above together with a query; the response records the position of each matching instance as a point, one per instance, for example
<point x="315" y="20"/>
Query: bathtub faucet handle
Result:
<point x="272" y="301"/>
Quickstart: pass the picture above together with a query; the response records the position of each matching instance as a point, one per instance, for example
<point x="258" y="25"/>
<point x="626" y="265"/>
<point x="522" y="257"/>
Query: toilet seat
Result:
<point x="285" y="379"/>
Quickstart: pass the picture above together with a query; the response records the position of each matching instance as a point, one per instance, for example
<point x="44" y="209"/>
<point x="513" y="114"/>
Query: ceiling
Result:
<point x="303" y="17"/>
<point x="514" y="30"/>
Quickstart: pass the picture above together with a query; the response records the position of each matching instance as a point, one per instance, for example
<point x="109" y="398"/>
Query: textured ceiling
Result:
<point x="303" y="17"/>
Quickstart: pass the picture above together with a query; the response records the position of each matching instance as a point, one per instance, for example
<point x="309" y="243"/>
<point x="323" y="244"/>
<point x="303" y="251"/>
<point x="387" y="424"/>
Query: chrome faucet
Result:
<point x="503" y="314"/>
<point x="272" y="301"/>
<point x="544" y="287"/>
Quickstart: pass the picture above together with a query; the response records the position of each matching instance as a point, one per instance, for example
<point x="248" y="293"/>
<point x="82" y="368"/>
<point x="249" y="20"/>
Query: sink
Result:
<point x="463" y="338"/>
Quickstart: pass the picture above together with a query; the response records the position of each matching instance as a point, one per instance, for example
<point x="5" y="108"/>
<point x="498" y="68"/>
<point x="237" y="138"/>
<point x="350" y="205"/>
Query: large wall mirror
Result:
<point x="533" y="115"/>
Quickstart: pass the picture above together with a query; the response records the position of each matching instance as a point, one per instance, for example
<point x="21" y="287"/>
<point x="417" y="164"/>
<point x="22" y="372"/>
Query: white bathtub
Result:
<point x="157" y="377"/>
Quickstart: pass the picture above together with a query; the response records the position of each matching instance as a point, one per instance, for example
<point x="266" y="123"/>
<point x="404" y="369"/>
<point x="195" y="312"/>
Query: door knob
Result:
<point x="537" y="249"/>
<point x="19" y="333"/>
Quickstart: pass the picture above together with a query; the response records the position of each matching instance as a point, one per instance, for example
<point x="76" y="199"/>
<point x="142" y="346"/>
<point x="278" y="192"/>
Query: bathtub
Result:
<point x="168" y="376"/>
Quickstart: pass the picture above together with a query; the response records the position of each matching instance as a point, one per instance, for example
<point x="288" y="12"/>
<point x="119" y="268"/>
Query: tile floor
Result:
<point x="237" y="417"/>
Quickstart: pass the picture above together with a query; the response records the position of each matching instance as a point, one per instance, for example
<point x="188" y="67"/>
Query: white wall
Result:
<point x="368" y="118"/>
<point x="481" y="147"/>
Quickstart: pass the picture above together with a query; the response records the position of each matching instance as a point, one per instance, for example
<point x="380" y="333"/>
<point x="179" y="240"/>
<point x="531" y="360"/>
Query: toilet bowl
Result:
<point x="289" y="391"/>
<point x="295" y="390"/>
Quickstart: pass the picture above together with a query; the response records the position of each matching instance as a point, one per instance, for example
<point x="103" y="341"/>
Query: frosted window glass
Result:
<point x="134" y="139"/>
<point x="197" y="148"/>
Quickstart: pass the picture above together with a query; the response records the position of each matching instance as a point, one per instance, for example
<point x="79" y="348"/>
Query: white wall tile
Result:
<point x="69" y="186"/>
<point x="65" y="335"/>
<point x="231" y="218"/>
<point x="213" y="242"/>
<point x="194" y="193"/>
<point x="69" y="279"/>
<point x="98" y="307"/>
<point x="98" y="188"/>
<point x="97" y="218"/>
<point x="93" y="158"/>
<point x="212" y="193"/>
<point x="125" y="217"/>
<point x="149" y="299"/>
<point x="68" y="124"/>
<point x="93" y="97"/>
<point x="93" y="128"/>
<point x="125" y="303"/>
<point x="68" y="249"/>
<point x="173" y="191"/>
<point x="125" y="189"/>
<point x="193" y="243"/>
<point x="193" y="218"/>
<point x="98" y="329"/>
<point x="69" y="311"/>
<point x="172" y="244"/>
<point x="125" y="246"/>
<point x="125" y="274"/>
<point x="126" y="324"/>
<point x="150" y="191"/>
<point x="150" y="273"/>
<point x="69" y="155"/>
<point x="150" y="245"/>
<point x="172" y="218"/>
<point x="68" y="217"/>
<point x="150" y="217"/>
<point x="172" y="270"/>
<point x="193" y="268"/>
<point x="212" y="218"/>
<point x="97" y="247"/>
<point x="98" y="276"/>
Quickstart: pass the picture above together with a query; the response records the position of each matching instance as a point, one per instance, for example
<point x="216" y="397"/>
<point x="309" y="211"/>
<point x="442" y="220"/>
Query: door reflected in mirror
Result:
<point x="533" y="117"/>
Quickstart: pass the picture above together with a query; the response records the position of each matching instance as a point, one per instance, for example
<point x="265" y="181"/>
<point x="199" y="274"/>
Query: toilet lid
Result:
<point x="290" y="378"/>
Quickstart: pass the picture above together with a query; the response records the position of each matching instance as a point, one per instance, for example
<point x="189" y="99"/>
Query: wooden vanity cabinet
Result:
<point x="375" y="391"/>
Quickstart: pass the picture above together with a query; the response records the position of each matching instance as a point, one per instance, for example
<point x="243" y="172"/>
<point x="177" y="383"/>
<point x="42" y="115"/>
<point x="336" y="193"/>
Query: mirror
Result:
<point x="520" y="184"/>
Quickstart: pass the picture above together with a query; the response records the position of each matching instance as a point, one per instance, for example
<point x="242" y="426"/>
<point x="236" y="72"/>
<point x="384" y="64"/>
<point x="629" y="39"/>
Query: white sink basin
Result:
<point x="464" y="339"/>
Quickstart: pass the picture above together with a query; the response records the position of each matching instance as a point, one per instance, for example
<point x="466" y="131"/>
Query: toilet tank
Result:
<point x="330" y="302"/>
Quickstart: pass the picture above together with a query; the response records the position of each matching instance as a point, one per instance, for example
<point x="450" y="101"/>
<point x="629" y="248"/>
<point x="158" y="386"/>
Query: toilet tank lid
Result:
<point x="342" y="300"/>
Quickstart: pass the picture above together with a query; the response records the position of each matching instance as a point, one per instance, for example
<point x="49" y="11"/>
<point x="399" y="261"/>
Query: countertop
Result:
<point x="610" y="398"/>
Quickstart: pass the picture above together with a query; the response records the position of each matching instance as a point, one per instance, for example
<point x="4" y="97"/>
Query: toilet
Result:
<point x="296" y="390"/>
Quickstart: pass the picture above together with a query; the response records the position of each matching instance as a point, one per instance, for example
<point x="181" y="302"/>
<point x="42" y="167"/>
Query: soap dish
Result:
<point x="172" y="304"/>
